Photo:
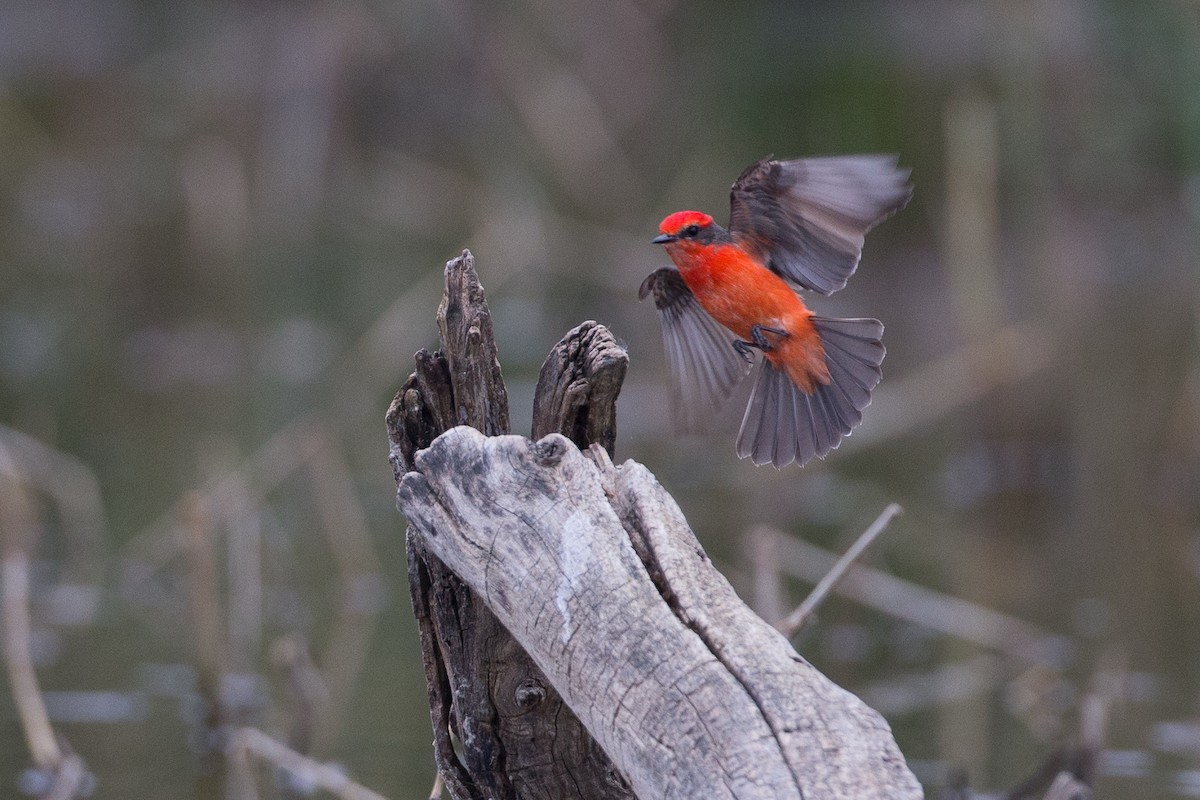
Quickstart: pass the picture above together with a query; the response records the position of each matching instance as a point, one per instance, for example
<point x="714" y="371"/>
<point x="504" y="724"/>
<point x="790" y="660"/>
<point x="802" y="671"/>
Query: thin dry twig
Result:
<point x="935" y="610"/>
<point x="18" y="532"/>
<point x="804" y="613"/>
<point x="251" y="741"/>
<point x="308" y="695"/>
<point x="17" y="524"/>
<point x="27" y="695"/>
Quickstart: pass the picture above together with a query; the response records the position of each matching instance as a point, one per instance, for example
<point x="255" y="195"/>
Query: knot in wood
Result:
<point x="549" y="450"/>
<point x="529" y="693"/>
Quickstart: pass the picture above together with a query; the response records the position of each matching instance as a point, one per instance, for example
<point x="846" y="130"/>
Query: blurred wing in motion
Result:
<point x="806" y="219"/>
<point x="704" y="366"/>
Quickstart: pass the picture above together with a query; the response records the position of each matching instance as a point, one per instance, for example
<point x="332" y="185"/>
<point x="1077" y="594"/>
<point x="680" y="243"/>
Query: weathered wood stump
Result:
<point x="576" y="639"/>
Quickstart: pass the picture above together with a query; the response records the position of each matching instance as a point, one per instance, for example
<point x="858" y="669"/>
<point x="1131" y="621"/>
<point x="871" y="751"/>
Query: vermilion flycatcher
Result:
<point x="792" y="224"/>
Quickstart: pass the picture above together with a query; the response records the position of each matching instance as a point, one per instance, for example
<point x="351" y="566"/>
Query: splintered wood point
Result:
<point x="465" y="323"/>
<point x="578" y="386"/>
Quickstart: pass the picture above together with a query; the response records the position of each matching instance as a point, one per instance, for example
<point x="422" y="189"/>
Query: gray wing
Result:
<point x="701" y="360"/>
<point x="806" y="219"/>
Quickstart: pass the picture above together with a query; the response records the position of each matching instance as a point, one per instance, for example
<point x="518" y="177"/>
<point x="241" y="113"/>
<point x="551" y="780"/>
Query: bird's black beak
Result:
<point x="663" y="238"/>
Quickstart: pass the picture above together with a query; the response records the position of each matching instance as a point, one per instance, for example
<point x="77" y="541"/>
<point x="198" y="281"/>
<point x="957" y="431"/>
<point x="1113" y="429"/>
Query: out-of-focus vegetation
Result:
<point x="222" y="227"/>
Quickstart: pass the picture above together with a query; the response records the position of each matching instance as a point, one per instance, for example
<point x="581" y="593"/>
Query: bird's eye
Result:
<point x="691" y="230"/>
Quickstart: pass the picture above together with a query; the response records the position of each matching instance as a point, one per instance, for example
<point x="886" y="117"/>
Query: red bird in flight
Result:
<point x="792" y="224"/>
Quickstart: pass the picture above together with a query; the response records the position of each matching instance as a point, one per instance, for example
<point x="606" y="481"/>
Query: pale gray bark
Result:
<point x="594" y="571"/>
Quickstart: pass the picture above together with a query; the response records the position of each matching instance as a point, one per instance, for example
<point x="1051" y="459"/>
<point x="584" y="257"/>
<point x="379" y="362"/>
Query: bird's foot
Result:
<point x="744" y="349"/>
<point x="758" y="335"/>
<point x="758" y="341"/>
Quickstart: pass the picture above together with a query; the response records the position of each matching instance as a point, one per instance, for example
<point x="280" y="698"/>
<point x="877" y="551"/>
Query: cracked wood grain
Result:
<point x="694" y="696"/>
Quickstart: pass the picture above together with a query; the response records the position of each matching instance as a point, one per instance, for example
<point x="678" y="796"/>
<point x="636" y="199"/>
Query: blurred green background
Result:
<point x="222" y="228"/>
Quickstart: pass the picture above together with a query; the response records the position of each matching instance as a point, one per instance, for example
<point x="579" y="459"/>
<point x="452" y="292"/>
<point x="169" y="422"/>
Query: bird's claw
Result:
<point x="758" y="341"/>
<point x="759" y="338"/>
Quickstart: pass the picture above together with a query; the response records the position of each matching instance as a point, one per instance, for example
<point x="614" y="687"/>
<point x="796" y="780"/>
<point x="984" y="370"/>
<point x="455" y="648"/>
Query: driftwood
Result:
<point x="576" y="639"/>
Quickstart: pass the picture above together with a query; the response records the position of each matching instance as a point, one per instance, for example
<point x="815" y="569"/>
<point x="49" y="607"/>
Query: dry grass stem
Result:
<point x="971" y="236"/>
<point x="251" y="741"/>
<point x="261" y="472"/>
<point x="360" y="580"/>
<point x="202" y="591"/>
<point x="75" y="492"/>
<point x="343" y="518"/>
<point x="244" y="568"/>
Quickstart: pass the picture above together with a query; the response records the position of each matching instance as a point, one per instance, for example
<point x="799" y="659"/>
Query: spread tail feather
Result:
<point x="783" y="423"/>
